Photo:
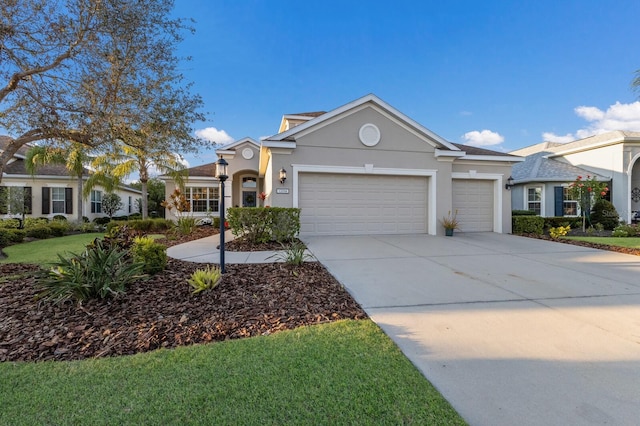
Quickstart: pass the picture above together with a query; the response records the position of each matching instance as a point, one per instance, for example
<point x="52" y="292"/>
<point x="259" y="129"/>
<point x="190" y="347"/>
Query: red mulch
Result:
<point x="162" y="311"/>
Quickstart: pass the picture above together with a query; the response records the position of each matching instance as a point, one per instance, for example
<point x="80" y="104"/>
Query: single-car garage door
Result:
<point x="343" y="204"/>
<point x="473" y="200"/>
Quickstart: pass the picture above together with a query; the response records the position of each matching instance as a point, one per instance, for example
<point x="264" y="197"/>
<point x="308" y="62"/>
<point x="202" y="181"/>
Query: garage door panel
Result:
<point x="336" y="204"/>
<point x="473" y="201"/>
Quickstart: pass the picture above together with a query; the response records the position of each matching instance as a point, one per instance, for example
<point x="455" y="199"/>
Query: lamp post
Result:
<point x="221" y="174"/>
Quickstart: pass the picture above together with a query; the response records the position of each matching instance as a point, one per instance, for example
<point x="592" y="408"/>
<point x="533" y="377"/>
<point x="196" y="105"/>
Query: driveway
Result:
<point x="511" y="330"/>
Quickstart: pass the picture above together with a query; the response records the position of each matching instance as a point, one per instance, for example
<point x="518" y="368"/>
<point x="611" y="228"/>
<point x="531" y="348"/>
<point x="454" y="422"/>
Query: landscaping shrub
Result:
<point x="628" y="230"/>
<point x="204" y="279"/>
<point x="558" y="232"/>
<point x="153" y="255"/>
<point x="603" y="212"/>
<point x="4" y="238"/>
<point x="528" y="225"/>
<point x="294" y="255"/>
<point x="35" y="221"/>
<point x="135" y="216"/>
<point x="60" y="217"/>
<point x="58" y="228"/>
<point x="9" y="223"/>
<point x="102" y="220"/>
<point x="522" y="213"/>
<point x="264" y="224"/>
<point x="558" y="221"/>
<point x="38" y="231"/>
<point x="102" y="270"/>
<point x="186" y="225"/>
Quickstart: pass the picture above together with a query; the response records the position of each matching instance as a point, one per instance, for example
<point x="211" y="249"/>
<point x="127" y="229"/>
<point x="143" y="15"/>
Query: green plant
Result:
<point x="619" y="233"/>
<point x="522" y="213"/>
<point x="205" y="279"/>
<point x="556" y="221"/>
<point x="264" y="224"/>
<point x="101" y="220"/>
<point x="586" y="192"/>
<point x="35" y="221"/>
<point x="604" y="213"/>
<point x="558" y="232"/>
<point x="186" y="225"/>
<point x="450" y="221"/>
<point x="58" y="228"/>
<point x="151" y="254"/>
<point x="9" y="223"/>
<point x="38" y="231"/>
<point x="629" y="230"/>
<point x="528" y="225"/>
<point x="296" y="254"/>
<point x="102" y="270"/>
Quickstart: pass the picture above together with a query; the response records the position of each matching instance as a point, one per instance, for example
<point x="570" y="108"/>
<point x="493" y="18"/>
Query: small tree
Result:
<point x="586" y="192"/>
<point x="111" y="203"/>
<point x="15" y="200"/>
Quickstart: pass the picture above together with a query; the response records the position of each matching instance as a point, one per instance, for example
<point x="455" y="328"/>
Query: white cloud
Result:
<point x="617" y="117"/>
<point x="212" y="134"/>
<point x="483" y="138"/>
<point x="466" y="113"/>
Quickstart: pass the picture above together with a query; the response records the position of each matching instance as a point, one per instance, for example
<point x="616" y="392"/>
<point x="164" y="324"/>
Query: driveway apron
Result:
<point x="511" y="330"/>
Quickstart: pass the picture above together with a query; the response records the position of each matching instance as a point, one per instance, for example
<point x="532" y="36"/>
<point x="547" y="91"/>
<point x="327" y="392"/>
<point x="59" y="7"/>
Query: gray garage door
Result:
<point x="473" y="199"/>
<point x="341" y="204"/>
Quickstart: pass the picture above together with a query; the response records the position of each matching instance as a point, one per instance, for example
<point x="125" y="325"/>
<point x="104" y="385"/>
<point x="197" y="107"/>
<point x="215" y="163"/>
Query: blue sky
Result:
<point x="498" y="74"/>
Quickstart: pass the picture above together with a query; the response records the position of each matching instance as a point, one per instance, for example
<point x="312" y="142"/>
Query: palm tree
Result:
<point x="73" y="157"/>
<point x="112" y="168"/>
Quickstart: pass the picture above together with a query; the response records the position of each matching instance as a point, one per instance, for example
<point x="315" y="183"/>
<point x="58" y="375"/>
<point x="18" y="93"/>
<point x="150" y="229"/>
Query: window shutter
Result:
<point x="46" y="200"/>
<point x="93" y="202"/>
<point x="4" y="201"/>
<point x="559" y="200"/>
<point x="68" y="200"/>
<point x="27" y="200"/>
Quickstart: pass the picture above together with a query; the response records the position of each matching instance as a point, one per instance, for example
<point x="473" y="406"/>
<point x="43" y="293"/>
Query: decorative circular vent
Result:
<point x="247" y="153"/>
<point x="369" y="134"/>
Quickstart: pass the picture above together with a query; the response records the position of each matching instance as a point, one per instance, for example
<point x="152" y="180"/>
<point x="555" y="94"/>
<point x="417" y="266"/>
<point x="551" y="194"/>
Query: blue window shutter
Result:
<point x="559" y="200"/>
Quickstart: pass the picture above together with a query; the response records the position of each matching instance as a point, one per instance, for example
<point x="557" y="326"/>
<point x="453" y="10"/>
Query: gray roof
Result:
<point x="537" y="168"/>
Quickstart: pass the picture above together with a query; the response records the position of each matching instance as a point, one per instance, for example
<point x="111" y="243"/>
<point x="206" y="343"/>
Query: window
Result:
<point x="569" y="205"/>
<point x="58" y="200"/>
<point x="202" y="199"/>
<point x="534" y="199"/>
<point x="249" y="182"/>
<point x="96" y="201"/>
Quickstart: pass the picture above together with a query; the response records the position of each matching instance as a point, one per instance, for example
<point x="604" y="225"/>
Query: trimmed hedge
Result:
<point x="522" y="213"/>
<point x="604" y="213"/>
<point x="528" y="225"/>
<point x="11" y="236"/>
<point x="143" y="225"/>
<point x="264" y="224"/>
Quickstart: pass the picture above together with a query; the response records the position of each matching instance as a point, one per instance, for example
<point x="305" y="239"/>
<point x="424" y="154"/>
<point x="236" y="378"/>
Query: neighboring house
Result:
<point x="363" y="168"/>
<point x="54" y="192"/>
<point x="549" y="167"/>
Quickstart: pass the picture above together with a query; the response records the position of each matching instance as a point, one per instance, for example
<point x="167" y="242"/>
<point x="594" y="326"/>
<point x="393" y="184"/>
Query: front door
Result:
<point x="249" y="198"/>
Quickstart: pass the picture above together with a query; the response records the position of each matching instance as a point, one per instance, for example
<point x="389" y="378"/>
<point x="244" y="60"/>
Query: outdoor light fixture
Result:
<point x="283" y="175"/>
<point x="509" y="183"/>
<point x="221" y="174"/>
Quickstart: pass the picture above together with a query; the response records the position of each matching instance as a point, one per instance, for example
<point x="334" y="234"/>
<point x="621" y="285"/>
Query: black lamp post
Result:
<point x="221" y="174"/>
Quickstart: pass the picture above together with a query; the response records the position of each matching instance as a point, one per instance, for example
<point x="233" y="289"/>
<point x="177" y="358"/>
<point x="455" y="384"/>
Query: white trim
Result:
<point x="629" y="176"/>
<point x="370" y="169"/>
<point x="497" y="192"/>
<point x="499" y="158"/>
<point x="542" y="197"/>
<point x="601" y="144"/>
<point x="444" y="153"/>
<point x="278" y="144"/>
<point x="238" y="142"/>
<point x="357" y="103"/>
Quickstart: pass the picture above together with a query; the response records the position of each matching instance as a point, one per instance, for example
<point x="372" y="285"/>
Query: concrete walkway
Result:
<point x="205" y="251"/>
<point x="511" y="330"/>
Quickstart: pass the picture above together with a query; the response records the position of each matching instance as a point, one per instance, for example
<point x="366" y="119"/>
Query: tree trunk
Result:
<point x="145" y="202"/>
<point x="80" y="203"/>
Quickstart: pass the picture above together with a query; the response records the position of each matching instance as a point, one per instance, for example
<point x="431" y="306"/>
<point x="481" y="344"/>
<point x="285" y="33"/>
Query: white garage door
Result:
<point x="341" y="204"/>
<point x="473" y="199"/>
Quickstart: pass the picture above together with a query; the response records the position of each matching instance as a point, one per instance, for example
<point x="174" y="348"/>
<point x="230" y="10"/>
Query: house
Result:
<point x="54" y="192"/>
<point x="362" y="168"/>
<point x="541" y="180"/>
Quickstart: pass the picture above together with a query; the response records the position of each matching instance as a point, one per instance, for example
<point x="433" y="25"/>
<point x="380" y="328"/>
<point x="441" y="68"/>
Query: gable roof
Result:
<point x="596" y="141"/>
<point x="234" y="144"/>
<point x="474" y="150"/>
<point x="538" y="167"/>
<point x="290" y="134"/>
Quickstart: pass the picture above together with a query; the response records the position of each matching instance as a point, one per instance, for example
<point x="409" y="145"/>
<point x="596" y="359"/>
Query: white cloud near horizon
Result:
<point x="483" y="138"/>
<point x="617" y="117"/>
<point x="212" y="134"/>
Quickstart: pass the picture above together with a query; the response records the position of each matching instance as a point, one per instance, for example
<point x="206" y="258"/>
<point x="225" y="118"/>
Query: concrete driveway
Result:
<point x="511" y="330"/>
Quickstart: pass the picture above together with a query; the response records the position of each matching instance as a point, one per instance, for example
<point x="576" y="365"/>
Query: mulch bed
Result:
<point x="633" y="251"/>
<point x="162" y="311"/>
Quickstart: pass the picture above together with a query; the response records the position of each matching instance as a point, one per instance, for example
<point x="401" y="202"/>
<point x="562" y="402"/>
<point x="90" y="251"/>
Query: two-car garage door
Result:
<point x="344" y="204"/>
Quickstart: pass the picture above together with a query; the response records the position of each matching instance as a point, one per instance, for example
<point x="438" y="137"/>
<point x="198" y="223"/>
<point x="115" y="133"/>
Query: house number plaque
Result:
<point x="282" y="190"/>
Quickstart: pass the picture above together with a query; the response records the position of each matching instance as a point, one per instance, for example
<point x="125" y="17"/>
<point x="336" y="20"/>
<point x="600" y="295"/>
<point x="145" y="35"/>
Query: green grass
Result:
<point x="46" y="251"/>
<point x="627" y="242"/>
<point x="348" y="372"/>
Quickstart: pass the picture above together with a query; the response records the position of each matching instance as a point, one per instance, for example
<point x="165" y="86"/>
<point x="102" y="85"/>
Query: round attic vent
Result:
<point x="369" y="134"/>
<point x="247" y="153"/>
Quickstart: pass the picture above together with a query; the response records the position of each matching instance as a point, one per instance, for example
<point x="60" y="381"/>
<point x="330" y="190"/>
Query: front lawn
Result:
<point x="40" y="252"/>
<point x="626" y="242"/>
<point x="347" y="372"/>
